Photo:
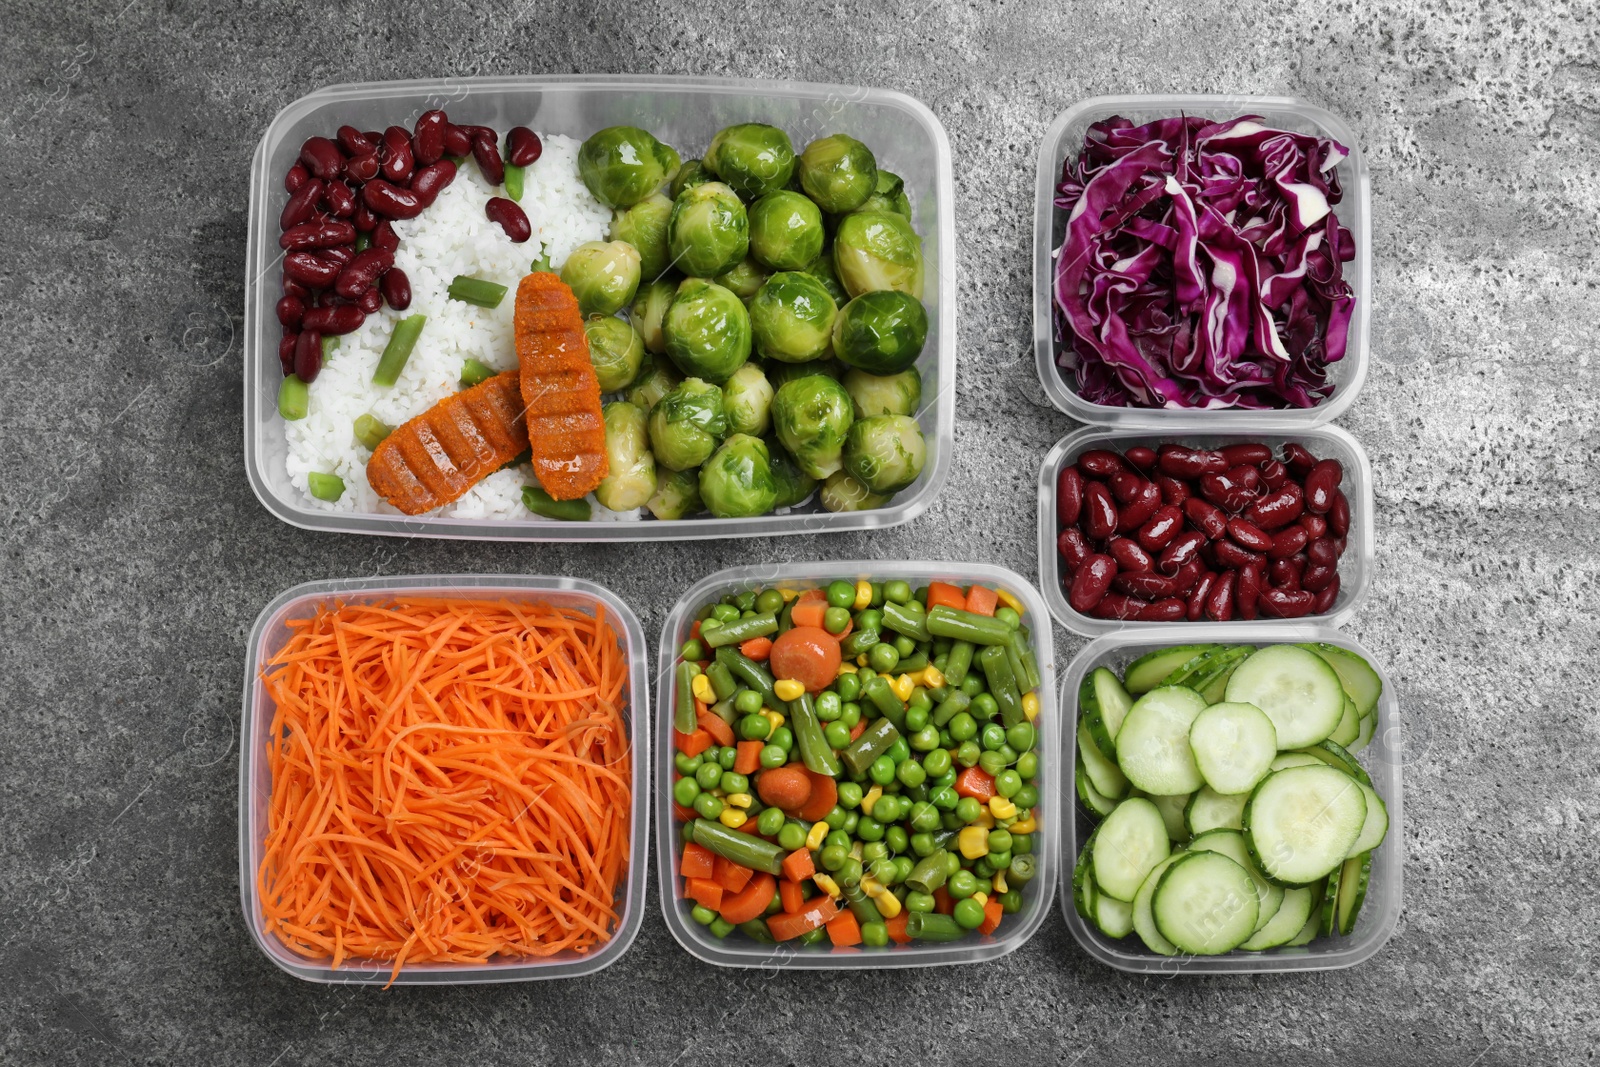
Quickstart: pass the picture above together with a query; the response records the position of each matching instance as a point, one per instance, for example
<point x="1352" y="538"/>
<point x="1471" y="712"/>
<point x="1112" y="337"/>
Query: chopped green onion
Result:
<point x="398" y="350"/>
<point x="541" y="265"/>
<point x="513" y="181"/>
<point x="473" y="372"/>
<point x="294" y="398"/>
<point x="325" y="486"/>
<point x="330" y="342"/>
<point x="470" y="290"/>
<point x="370" y="432"/>
<point x="540" y="502"/>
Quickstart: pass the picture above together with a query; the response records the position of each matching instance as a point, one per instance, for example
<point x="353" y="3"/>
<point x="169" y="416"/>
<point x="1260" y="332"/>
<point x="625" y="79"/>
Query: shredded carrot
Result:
<point x="450" y="782"/>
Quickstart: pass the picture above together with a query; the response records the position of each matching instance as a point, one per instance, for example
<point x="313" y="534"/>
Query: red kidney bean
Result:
<point x="1162" y="528"/>
<point x="383" y="236"/>
<point x="1118" y="606"/>
<point x="1153" y="586"/>
<point x="1250" y="453"/>
<point x="1100" y="463"/>
<point x="1207" y="518"/>
<point x="1126" y="486"/>
<point x="1230" y="555"/>
<point x="1298" y="460"/>
<point x="1320" y="485"/>
<point x="1325" y="599"/>
<point x="1249" y="536"/>
<point x="1339" y="544"/>
<point x="395" y="161"/>
<point x="523" y="147"/>
<point x="396" y="289"/>
<point x="362" y="168"/>
<point x="1132" y="516"/>
<point x="340" y="200"/>
<point x="1247" y="590"/>
<point x="308" y="355"/>
<point x="286" y="346"/>
<point x="327" y="233"/>
<point x="1316" y="578"/>
<point x="289" y="310"/>
<point x="1162" y="611"/>
<point x="1288" y="542"/>
<point x="1274" y="474"/>
<point x="1142" y="459"/>
<point x="375" y="136"/>
<point x="322" y="157"/>
<point x="1180" y="550"/>
<point x="391" y="201"/>
<point x="1247" y="476"/>
<point x="457" y="141"/>
<point x="296" y="176"/>
<point x="1339" y="514"/>
<point x="486" y="150"/>
<point x="1285" y="573"/>
<point x="480" y="132"/>
<point x="1172" y="490"/>
<point x="334" y="319"/>
<point x="1069" y="496"/>
<point x="509" y="216"/>
<point x="363" y="219"/>
<point x="1225" y="491"/>
<point x="363" y="272"/>
<point x="354" y="142"/>
<point x="431" y="180"/>
<point x="302" y="204"/>
<point x="1091" y="581"/>
<point x="339" y="255"/>
<point x="1198" y="596"/>
<point x="1101" y="520"/>
<point x="1074" y="549"/>
<point x="1181" y="462"/>
<point x="1129" y="556"/>
<point x="427" y="137"/>
<point x="1219" y="603"/>
<point x="291" y="287"/>
<point x="370" y="301"/>
<point x="1276" y="509"/>
<point x="310" y="270"/>
<point x="1322" y="553"/>
<point x="1315" y="525"/>
<point x="1286" y="603"/>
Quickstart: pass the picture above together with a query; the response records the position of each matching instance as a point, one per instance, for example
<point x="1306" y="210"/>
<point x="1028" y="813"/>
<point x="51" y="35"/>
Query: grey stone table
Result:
<point x="136" y="556"/>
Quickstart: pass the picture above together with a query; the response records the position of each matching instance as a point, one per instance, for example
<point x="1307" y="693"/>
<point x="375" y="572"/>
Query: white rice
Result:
<point x="451" y="237"/>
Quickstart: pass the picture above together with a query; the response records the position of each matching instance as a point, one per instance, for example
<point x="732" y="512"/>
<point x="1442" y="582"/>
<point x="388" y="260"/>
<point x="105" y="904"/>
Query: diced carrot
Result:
<point x="691" y="745"/>
<point x="697" y="861"/>
<point x="897" y="928"/>
<point x="683" y="814"/>
<point x="824" y="795"/>
<point x="731" y="876"/>
<point x="757" y="648"/>
<point x="843" y="930"/>
<point x="694" y="631"/>
<point x="992" y="911"/>
<point x="787" y="787"/>
<point x="750" y="901"/>
<point x="812" y="594"/>
<point x="704" y="891"/>
<point x="973" y="782"/>
<point x="797" y="865"/>
<point x="858" y="729"/>
<point x="748" y="761"/>
<point x="720" y="731"/>
<point x="790" y="895"/>
<point x="817" y="912"/>
<point x="943" y="902"/>
<point x="943" y="594"/>
<point x="809" y="613"/>
<point x="981" y="600"/>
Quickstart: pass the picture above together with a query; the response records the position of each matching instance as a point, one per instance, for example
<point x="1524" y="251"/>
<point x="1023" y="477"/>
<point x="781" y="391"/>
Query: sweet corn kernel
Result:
<point x="985" y="819"/>
<point x="870" y="799"/>
<point x="846" y="668"/>
<point x="732" y="818"/>
<point x="861" y="660"/>
<point x="888" y="904"/>
<point x="863" y="595"/>
<point x="819" y="833"/>
<point x="1030" y="706"/>
<point x="701" y="687"/>
<point x="903" y="686"/>
<point x="740" y="800"/>
<point x="870" y="885"/>
<point x="1001" y="807"/>
<point x="788" y="689"/>
<point x="826" y="884"/>
<point x="932" y="677"/>
<point x="855" y="851"/>
<point x="981" y="897"/>
<point x="1025" y="826"/>
<point x="1000" y="882"/>
<point x="788" y="594"/>
<point x="973" y="841"/>
<point x="1010" y="601"/>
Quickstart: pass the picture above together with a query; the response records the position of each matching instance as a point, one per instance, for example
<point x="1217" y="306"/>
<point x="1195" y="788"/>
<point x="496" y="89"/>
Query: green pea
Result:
<point x="770" y="821"/>
<point x="814" y="937"/>
<point x="1011" y="901"/>
<point x="1021" y="844"/>
<point x="769" y="601"/>
<point x="708" y="775"/>
<point x="877" y="594"/>
<point x="991" y="763"/>
<point x="1007" y="753"/>
<point x="783" y="737"/>
<point x="869" y="829"/>
<point x="709" y="624"/>
<point x="999" y="860"/>
<point x="962" y="884"/>
<point x="727" y="757"/>
<point x="903" y="866"/>
<point x="896" y="592"/>
<point x="745" y="601"/>
<point x="951" y="821"/>
<point x="967" y="753"/>
<point x="702" y="915"/>
<point x="1008" y="784"/>
<point x="884" y="870"/>
<point x="1020" y="736"/>
<point x="772" y="757"/>
<point x="774" y="905"/>
<point x="983" y="706"/>
<point x="899" y="750"/>
<point x="688" y="831"/>
<point x="850" y="713"/>
<point x="910" y="772"/>
<point x="686" y="764"/>
<point x="837" y="837"/>
<point x="684" y="790"/>
<point x="925" y="739"/>
<point x="693" y="650"/>
<point x="834" y="620"/>
<point x="836" y="818"/>
<point x="972" y="684"/>
<point x="945" y="740"/>
<point x="999" y="841"/>
<point x="895" y="837"/>
<point x="837" y="734"/>
<point x="833" y="857"/>
<point x="849" y="795"/>
<point x="1027" y="797"/>
<point x="887" y="809"/>
<point x="924" y="816"/>
<point x="943" y="778"/>
<point x="747" y="701"/>
<point x="870" y="619"/>
<point x="874" y="935"/>
<point x="850" y="872"/>
<point x="734" y="782"/>
<point x="994" y="735"/>
<point x="792" y="836"/>
<point x="1008" y="615"/>
<point x="968" y="809"/>
<point x="952" y="862"/>
<point x="919" y="902"/>
<point x="720" y="927"/>
<point x="848" y="686"/>
<point x="829" y="706"/>
<point x="708" y="806"/>
<point x="725" y="612"/>
<point x="876" y="850"/>
<point x="904" y="645"/>
<point x="968" y="913"/>
<point x="1028" y="764"/>
<point x="883" y="658"/>
<point x="944" y="798"/>
<point x="755" y="727"/>
<point x="936" y="762"/>
<point x="916" y="718"/>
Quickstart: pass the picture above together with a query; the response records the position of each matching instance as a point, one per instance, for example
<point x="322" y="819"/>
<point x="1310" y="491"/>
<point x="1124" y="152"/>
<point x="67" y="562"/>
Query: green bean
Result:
<point x="931" y="926"/>
<point x="861" y="905"/>
<point x="723" y="709"/>
<point x="735" y="846"/>
<point x="741" y="630"/>
<point x="756" y="929"/>
<point x="330" y="345"/>
<point x="960" y="661"/>
<point x="902" y="620"/>
<point x="1019" y="669"/>
<point x="294" y="400"/>
<point x="1023" y="869"/>
<point x="873" y="742"/>
<point x="513" y="181"/>
<point x="370" y="432"/>
<point x="398" y="350"/>
<point x="929" y="874"/>
<point x="1023" y="663"/>
<point x="967" y="626"/>
<point x="749" y="672"/>
<point x="876" y="689"/>
<point x="950" y="707"/>
<point x="684" y="716"/>
<point x="814" y="748"/>
<point x="475" y="373"/>
<point x="325" y="486"/>
<point x="470" y="290"/>
<point x="722" y="682"/>
<point x="1002" y="684"/>
<point x="540" y="502"/>
<point x="858" y="642"/>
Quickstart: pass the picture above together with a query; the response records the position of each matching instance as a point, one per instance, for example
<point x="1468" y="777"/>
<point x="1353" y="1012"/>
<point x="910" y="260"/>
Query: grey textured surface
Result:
<point x="136" y="557"/>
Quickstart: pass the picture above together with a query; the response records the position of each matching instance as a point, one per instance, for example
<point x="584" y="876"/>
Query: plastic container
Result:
<point x="1325" y="442"/>
<point x="906" y="137"/>
<point x="738" y="951"/>
<point x="1065" y="138"/>
<point x="1382" y="759"/>
<point x="269" y="634"/>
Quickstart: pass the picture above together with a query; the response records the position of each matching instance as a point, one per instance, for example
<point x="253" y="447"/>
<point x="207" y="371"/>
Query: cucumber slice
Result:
<point x="1233" y="746"/>
<point x="1328" y="909"/>
<point x="1353" y="880"/>
<point x="1153" y="744"/>
<point x="1231" y="844"/>
<point x="1080" y="877"/>
<point x="1144" y="920"/>
<point x="1205" y="904"/>
<point x="1308" y="932"/>
<point x="1285" y="760"/>
<point x="1297" y="689"/>
<point x="1102" y="703"/>
<point x="1300" y="823"/>
<point x="1376" y="825"/>
<point x="1330" y="753"/>
<point x="1114" y="917"/>
<point x="1215" y="691"/>
<point x="1211" y="810"/>
<point x="1369" y="726"/>
<point x="1148" y="671"/>
<point x="1171" y="809"/>
<point x="1131" y="841"/>
<point x="1091" y="797"/>
<point x="1356" y="675"/>
<point x="1205" y="668"/>
<point x="1289" y="920"/>
<point x="1349" y="727"/>
<point x="1103" y="774"/>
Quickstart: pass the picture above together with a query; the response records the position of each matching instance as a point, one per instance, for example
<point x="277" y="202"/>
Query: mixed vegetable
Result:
<point x="857" y="763"/>
<point x="1233" y="811"/>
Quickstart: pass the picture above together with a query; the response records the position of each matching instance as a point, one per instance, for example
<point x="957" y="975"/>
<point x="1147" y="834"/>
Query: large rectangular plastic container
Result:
<point x="1383" y="759"/>
<point x="905" y="136"/>
<point x="1325" y="442"/>
<point x="269" y="634"/>
<point x="1063" y="141"/>
<point x="736" y="950"/>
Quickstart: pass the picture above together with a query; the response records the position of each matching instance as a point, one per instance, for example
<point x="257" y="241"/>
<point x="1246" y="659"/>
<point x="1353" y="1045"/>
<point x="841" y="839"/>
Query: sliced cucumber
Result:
<point x="1216" y="690"/>
<point x="1114" y="917"/>
<point x="1144" y="920"/>
<point x="1290" y="918"/>
<point x="1080" y="877"/>
<point x="1103" y="774"/>
<point x="1353" y="879"/>
<point x="1102" y="703"/>
<point x="1376" y="825"/>
<point x="1308" y="932"/>
<point x="1153" y="744"/>
<point x="1297" y="689"/>
<point x="1205" y="669"/>
<point x="1127" y="846"/>
<point x="1300" y="823"/>
<point x="1205" y="904"/>
<point x="1349" y="727"/>
<point x="1211" y="810"/>
<point x="1171" y="809"/>
<point x="1330" y="753"/>
<point x="1233" y="746"/>
<point x="1369" y="726"/>
<point x="1328" y="910"/>
<point x="1089" y="796"/>
<point x="1285" y="760"/>
<point x="1356" y="675"/>
<point x="1149" y="670"/>
<point x="1192" y="668"/>
<point x="1231" y="844"/>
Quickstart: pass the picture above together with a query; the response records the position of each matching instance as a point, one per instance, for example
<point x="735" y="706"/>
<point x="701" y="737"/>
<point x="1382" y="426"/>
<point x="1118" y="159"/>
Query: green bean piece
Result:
<point x="929" y="873"/>
<point x="736" y="846"/>
<point x="1002" y="683"/>
<point x="398" y="350"/>
<point x="370" y="432"/>
<point x="902" y="620"/>
<point x="1022" y="870"/>
<point x="513" y="181"/>
<point x="931" y="926"/>
<point x="873" y="742"/>
<point x="858" y="642"/>
<point x="470" y="290"/>
<point x="1023" y="663"/>
<point x="330" y="345"/>
<point x="962" y="625"/>
<point x="876" y="689"/>
<point x="960" y="661"/>
<point x="540" y="502"/>
<point x="950" y="707"/>
<point x="684" y="716"/>
<point x="749" y="672"/>
<point x="724" y="710"/>
<point x="1019" y="669"/>
<point x="756" y="929"/>
<point x="475" y="373"/>
<point x="912" y="663"/>
<point x="741" y="630"/>
<point x="294" y="398"/>
<point x="814" y="748"/>
<point x="722" y="682"/>
<point x="541" y="265"/>
<point x="325" y="486"/>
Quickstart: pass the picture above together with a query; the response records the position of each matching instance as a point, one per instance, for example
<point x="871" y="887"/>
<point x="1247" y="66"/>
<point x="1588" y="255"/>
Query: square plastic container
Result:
<point x="1382" y="758"/>
<point x="269" y="634"/>
<point x="738" y="951"/>
<point x="1324" y="442"/>
<point x="904" y="135"/>
<point x="1064" y="139"/>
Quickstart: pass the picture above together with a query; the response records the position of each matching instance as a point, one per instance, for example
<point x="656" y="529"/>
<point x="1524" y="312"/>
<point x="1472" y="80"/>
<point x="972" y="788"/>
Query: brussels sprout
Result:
<point x="671" y="162"/>
<point x="616" y="350"/>
<point x="706" y="330"/>
<point x="885" y="453"/>
<point x="621" y="165"/>
<point x="752" y="158"/>
<point x="822" y="270"/>
<point x="890" y="195"/>
<point x="744" y="280"/>
<point x="794" y="484"/>
<point x="812" y="415"/>
<point x="780" y="374"/>
<point x="843" y="493"/>
<point x="644" y="226"/>
<point x="785" y="230"/>
<point x="736" y="482"/>
<point x="677" y="495"/>
<point x="686" y="424"/>
<point x="747" y="400"/>
<point x="708" y="232"/>
<point x="658" y="378"/>
<point x="631" y="479"/>
<point x="881" y="332"/>
<point x="877" y="250"/>
<point x="603" y="275"/>
<point x="649" y="308"/>
<point x="791" y="318"/>
<point x="838" y="172"/>
<point x="692" y="173"/>
<point x="884" y="394"/>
